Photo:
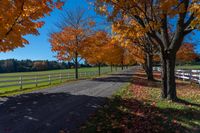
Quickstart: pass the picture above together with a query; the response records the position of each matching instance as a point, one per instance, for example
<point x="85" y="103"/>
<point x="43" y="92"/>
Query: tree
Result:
<point x="19" y="18"/>
<point x="121" y="52"/>
<point x="136" y="39"/>
<point x="167" y="22"/>
<point x="40" y="66"/>
<point x="69" y="42"/>
<point x="95" y="49"/>
<point x="186" y="53"/>
<point x="114" y="53"/>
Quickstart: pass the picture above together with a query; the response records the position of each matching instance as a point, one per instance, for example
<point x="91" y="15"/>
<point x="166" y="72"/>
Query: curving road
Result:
<point x="64" y="107"/>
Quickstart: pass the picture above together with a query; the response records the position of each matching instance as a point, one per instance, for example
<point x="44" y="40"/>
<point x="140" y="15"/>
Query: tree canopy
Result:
<point x="21" y="17"/>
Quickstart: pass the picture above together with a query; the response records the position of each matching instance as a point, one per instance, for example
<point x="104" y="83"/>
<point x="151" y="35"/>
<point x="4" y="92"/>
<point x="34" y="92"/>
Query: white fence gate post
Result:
<point x="190" y="74"/>
<point x="199" y="78"/>
<point x="67" y="75"/>
<point x="20" y="82"/>
<point x="60" y="78"/>
<point x="49" y="79"/>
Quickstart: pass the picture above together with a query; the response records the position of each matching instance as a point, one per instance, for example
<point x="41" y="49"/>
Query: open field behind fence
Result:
<point x="189" y="67"/>
<point x="16" y="81"/>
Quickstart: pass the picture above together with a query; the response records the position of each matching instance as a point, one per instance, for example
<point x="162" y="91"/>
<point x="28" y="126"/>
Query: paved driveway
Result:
<point x="64" y="107"/>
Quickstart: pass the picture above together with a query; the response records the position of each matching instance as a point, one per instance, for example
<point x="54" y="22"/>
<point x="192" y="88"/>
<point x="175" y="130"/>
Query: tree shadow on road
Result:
<point x="49" y="113"/>
<point x="120" y="78"/>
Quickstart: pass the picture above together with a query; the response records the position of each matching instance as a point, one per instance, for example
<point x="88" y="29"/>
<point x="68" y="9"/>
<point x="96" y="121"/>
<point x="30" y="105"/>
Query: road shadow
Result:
<point x="46" y="113"/>
<point x="141" y="118"/>
<point x="128" y="75"/>
<point x="120" y="78"/>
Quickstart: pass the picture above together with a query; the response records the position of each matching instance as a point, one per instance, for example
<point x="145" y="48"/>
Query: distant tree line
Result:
<point x="13" y="65"/>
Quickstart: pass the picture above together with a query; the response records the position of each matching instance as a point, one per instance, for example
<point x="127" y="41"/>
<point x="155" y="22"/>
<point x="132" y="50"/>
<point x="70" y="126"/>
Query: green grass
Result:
<point x="139" y="108"/>
<point x="87" y="69"/>
<point x="27" y="88"/>
<point x="186" y="113"/>
<point x="188" y="67"/>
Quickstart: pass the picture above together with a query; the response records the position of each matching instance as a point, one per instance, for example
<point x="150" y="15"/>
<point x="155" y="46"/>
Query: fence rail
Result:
<point x="191" y="75"/>
<point x="37" y="79"/>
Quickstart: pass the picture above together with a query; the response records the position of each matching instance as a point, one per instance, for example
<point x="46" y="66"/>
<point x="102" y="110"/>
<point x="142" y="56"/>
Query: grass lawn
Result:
<point x="7" y="91"/>
<point x="86" y="69"/>
<point x="139" y="109"/>
<point x="188" y="67"/>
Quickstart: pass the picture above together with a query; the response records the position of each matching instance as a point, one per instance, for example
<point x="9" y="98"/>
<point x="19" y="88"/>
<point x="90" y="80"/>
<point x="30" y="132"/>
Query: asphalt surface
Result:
<point x="65" y="107"/>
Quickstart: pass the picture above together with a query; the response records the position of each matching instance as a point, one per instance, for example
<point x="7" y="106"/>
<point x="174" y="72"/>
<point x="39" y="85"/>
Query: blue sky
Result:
<point x="39" y="47"/>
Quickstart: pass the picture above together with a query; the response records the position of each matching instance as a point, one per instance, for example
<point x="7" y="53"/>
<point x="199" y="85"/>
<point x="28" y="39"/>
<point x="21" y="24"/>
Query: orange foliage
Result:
<point x="19" y="18"/>
<point x="101" y="48"/>
<point x="115" y="54"/>
<point x="67" y="43"/>
<point x="95" y="48"/>
<point x="186" y="52"/>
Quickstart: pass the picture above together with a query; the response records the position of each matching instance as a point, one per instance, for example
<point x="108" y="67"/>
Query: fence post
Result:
<point x="36" y="81"/>
<point x="178" y="74"/>
<point x="20" y="82"/>
<point x="67" y="75"/>
<point x="49" y="79"/>
<point x="80" y="74"/>
<point x="199" y="78"/>
<point x="60" y="78"/>
<point x="190" y="76"/>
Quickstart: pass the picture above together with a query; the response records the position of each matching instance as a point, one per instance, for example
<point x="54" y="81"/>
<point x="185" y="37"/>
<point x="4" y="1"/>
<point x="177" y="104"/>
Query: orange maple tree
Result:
<point x="186" y="53"/>
<point x="69" y="42"/>
<point x="68" y="45"/>
<point x="136" y="39"/>
<point x="95" y="48"/>
<point x="21" y="17"/>
<point x="114" y="53"/>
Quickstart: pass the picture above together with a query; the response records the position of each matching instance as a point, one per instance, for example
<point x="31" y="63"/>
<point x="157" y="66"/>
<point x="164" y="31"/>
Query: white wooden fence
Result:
<point x="191" y="75"/>
<point x="41" y="79"/>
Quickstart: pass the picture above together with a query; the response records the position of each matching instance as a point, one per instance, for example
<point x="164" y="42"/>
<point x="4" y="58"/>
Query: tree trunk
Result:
<point x="168" y="76"/>
<point x="149" y="66"/>
<point x="111" y="68"/>
<point x="122" y="65"/>
<point x="163" y="77"/>
<point x="171" y="83"/>
<point x="99" y="69"/>
<point x="76" y="65"/>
